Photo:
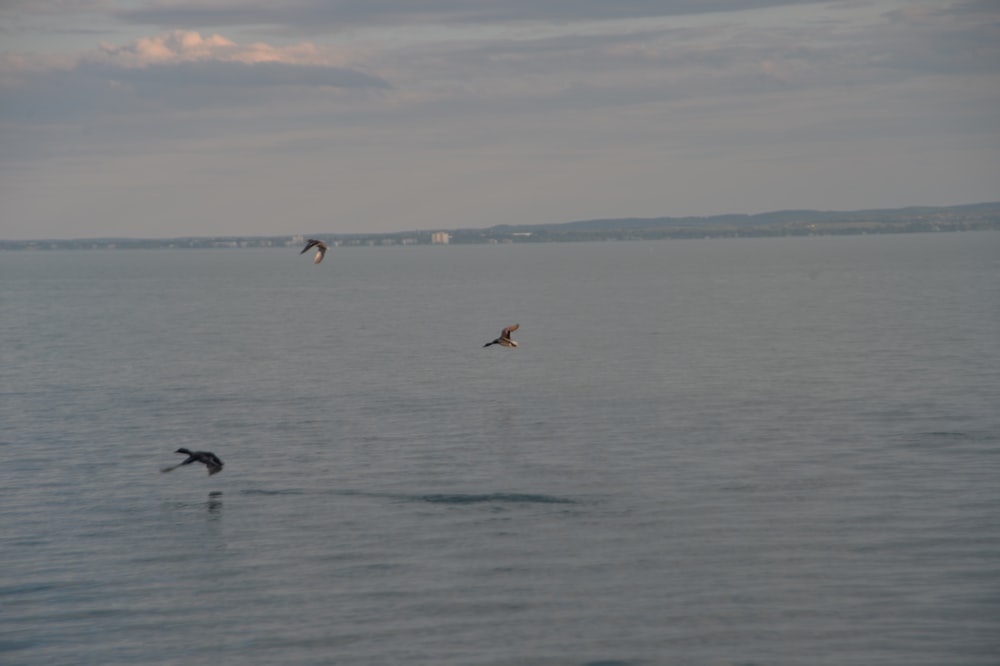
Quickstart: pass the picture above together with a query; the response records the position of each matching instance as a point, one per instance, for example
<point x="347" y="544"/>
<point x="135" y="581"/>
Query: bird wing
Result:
<point x="312" y="242"/>
<point x="320" y="253"/>
<point x="510" y="329"/>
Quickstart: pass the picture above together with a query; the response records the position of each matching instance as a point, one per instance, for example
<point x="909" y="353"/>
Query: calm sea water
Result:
<point x="723" y="452"/>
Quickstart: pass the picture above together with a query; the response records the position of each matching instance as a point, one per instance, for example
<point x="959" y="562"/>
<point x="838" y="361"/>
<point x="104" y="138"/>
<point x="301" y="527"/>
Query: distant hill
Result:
<point x="782" y="217"/>
<point x="970" y="217"/>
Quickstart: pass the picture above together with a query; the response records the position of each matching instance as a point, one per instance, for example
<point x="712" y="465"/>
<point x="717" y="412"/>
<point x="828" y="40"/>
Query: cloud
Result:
<point x="960" y="38"/>
<point x="181" y="69"/>
<point x="312" y="14"/>
<point x="51" y="7"/>
<point x="228" y="74"/>
<point x="185" y="46"/>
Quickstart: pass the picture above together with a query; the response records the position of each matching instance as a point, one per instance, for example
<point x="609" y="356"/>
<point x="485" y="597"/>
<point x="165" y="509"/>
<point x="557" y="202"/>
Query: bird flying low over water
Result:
<point x="207" y="458"/>
<point x="320" y="246"/>
<point x="504" y="339"/>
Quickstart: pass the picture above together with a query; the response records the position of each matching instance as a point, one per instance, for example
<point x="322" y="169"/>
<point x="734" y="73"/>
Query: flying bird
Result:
<point x="320" y="246"/>
<point x="207" y="458"/>
<point x="504" y="339"/>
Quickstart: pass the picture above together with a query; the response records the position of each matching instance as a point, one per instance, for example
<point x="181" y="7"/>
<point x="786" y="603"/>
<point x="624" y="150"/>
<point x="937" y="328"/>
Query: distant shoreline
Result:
<point x="972" y="217"/>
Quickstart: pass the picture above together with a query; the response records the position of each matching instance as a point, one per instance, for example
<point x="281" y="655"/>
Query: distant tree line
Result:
<point x="973" y="217"/>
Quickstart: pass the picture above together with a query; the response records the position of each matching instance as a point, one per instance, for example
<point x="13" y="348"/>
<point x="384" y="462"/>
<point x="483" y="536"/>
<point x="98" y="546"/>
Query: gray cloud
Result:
<point x="91" y="89"/>
<point x="961" y="38"/>
<point x="228" y="74"/>
<point x="313" y="14"/>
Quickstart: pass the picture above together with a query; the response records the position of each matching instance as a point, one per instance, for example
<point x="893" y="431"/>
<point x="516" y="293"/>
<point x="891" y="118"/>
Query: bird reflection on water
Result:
<point x="209" y="508"/>
<point x="214" y="503"/>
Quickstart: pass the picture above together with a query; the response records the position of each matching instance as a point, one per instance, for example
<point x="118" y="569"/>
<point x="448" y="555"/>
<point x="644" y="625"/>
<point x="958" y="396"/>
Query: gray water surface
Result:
<point x="744" y="451"/>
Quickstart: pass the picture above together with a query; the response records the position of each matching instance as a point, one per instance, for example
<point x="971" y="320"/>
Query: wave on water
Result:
<point x="945" y="438"/>
<point x="433" y="498"/>
<point x="460" y="498"/>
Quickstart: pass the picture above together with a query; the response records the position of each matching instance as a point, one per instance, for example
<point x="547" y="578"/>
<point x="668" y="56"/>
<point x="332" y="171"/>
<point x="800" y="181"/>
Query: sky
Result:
<point x="169" y="118"/>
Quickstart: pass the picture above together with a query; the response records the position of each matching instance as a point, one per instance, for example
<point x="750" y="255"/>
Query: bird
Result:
<point x="207" y="458"/>
<point x="320" y="246"/>
<point x="504" y="339"/>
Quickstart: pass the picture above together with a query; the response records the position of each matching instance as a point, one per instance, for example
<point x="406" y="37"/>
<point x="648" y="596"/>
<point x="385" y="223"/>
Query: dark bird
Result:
<point x="320" y="246"/>
<point x="207" y="458"/>
<point x="504" y="339"/>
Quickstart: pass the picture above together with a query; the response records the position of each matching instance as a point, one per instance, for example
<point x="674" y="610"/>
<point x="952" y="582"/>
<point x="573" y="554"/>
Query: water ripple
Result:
<point x="433" y="498"/>
<point x="461" y="498"/>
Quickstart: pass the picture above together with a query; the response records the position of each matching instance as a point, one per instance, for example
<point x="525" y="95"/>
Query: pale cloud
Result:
<point x="185" y="46"/>
<point x="159" y="91"/>
<point x="165" y="70"/>
<point x="178" y="46"/>
<point x="182" y="47"/>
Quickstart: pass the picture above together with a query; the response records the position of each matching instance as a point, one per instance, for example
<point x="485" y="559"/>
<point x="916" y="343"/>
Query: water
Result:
<point x="744" y="451"/>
